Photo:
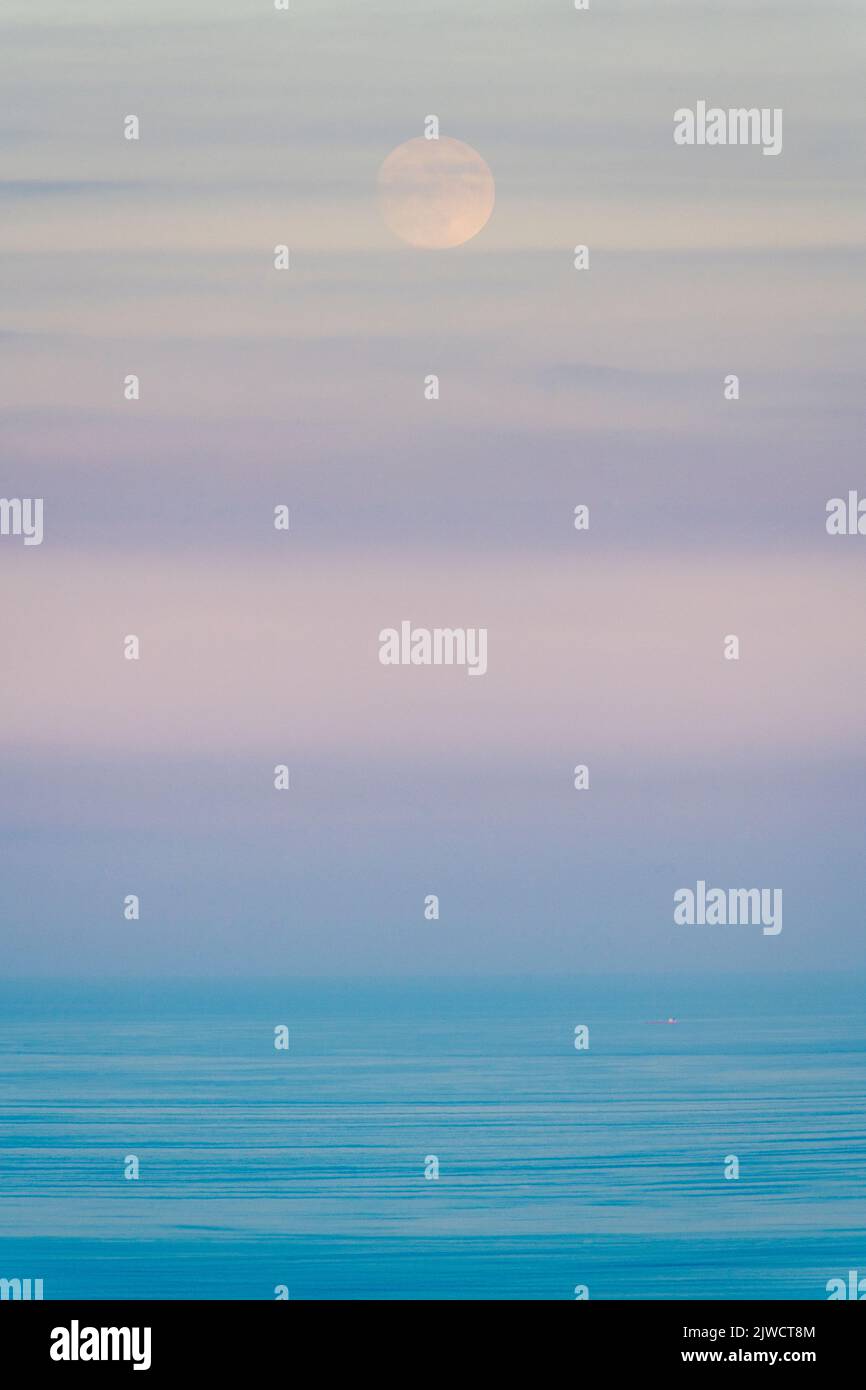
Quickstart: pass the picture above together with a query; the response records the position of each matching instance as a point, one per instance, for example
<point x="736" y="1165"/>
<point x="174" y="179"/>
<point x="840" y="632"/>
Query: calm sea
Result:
<point x="557" y="1167"/>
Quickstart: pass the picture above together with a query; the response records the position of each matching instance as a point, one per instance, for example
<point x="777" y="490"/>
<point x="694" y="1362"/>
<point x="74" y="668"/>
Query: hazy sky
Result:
<point x="306" y="388"/>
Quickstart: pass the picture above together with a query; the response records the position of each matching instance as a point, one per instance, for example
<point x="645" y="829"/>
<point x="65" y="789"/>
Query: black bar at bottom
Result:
<point x="157" y="1339"/>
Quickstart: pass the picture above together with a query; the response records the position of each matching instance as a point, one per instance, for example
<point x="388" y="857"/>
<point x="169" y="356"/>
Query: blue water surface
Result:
<point x="558" y="1167"/>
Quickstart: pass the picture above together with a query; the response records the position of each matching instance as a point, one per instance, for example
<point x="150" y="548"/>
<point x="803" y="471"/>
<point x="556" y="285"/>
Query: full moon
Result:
<point x="435" y="193"/>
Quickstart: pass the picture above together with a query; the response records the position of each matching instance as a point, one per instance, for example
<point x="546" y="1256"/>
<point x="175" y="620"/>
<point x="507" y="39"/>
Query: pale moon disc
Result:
<point x="435" y="193"/>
